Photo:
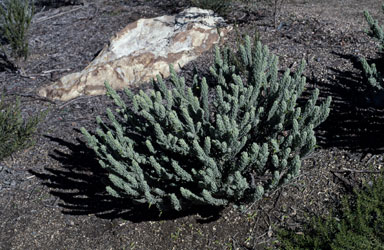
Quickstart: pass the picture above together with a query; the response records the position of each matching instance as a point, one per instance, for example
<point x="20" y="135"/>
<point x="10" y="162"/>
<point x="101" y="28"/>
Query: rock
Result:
<point x="142" y="50"/>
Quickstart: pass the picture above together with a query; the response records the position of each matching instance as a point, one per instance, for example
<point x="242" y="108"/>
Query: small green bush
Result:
<point x="15" y="133"/>
<point x="15" y="19"/>
<point x="372" y="74"/>
<point x="358" y="225"/>
<point x="229" y="140"/>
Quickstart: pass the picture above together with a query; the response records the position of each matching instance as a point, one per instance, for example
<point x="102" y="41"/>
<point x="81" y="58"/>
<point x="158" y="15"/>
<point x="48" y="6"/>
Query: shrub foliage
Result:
<point x="15" y="19"/>
<point x="359" y="224"/>
<point x="231" y="139"/>
<point x="373" y="75"/>
<point x="15" y="132"/>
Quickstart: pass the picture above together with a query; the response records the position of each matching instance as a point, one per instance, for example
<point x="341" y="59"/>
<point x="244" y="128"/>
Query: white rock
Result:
<point x="142" y="50"/>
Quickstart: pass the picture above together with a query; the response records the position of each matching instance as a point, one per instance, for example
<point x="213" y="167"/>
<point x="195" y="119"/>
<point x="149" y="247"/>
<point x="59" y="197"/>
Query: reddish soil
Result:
<point x="52" y="196"/>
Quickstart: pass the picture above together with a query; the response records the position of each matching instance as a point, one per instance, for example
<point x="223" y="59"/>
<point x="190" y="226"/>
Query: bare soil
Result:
<point x="52" y="196"/>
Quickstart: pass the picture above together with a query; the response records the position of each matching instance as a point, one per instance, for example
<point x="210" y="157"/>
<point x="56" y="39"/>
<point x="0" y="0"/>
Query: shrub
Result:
<point x="373" y="76"/>
<point x="213" y="143"/>
<point x="360" y="224"/>
<point x="15" y="133"/>
<point x="15" y="19"/>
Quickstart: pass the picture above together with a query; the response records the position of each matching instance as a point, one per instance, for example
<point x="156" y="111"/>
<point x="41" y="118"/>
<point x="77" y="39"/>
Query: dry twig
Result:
<point x="59" y="14"/>
<point x="34" y="96"/>
<point x="345" y="170"/>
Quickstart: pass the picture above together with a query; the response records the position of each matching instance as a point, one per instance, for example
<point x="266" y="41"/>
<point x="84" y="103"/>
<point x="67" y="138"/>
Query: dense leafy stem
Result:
<point x="373" y="75"/>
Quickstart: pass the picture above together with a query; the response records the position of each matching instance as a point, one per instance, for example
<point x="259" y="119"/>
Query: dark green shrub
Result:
<point x="359" y="224"/>
<point x="15" y="133"/>
<point x="373" y="75"/>
<point x="15" y="19"/>
<point x="226" y="140"/>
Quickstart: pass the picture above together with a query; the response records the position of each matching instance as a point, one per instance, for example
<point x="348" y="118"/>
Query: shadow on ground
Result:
<point x="80" y="185"/>
<point x="356" y="120"/>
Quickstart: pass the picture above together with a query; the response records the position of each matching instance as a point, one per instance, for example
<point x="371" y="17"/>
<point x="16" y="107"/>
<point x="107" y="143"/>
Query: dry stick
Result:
<point x="53" y="70"/>
<point x="73" y="100"/>
<point x="277" y="11"/>
<point x="36" y="97"/>
<point x="370" y="159"/>
<point x="357" y="171"/>
<point x="43" y="73"/>
<point x="60" y="14"/>
<point x="276" y="200"/>
<point x="346" y="182"/>
<point x="310" y="156"/>
<point x="275" y="15"/>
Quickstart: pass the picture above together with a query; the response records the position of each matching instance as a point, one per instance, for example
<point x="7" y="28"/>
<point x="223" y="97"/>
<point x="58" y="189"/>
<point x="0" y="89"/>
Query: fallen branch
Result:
<point x="74" y="100"/>
<point x="345" y="170"/>
<point x="348" y="184"/>
<point x="34" y="96"/>
<point x="60" y="14"/>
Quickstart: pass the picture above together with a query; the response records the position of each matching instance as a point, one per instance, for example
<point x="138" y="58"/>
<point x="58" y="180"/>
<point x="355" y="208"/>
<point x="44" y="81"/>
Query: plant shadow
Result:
<point x="80" y="185"/>
<point x="356" y="120"/>
<point x="5" y="62"/>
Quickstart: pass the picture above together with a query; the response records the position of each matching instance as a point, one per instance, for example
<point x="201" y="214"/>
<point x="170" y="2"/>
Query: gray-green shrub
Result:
<point x="229" y="140"/>
<point x="374" y="76"/>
